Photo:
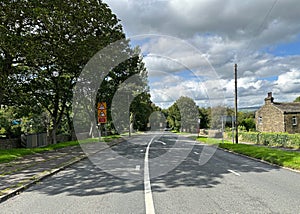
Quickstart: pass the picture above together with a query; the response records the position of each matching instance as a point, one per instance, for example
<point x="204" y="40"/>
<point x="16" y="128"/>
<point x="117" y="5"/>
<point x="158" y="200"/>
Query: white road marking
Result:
<point x="158" y="141"/>
<point x="196" y="153"/>
<point x="147" y="185"/>
<point x="229" y="170"/>
<point x="141" y="150"/>
<point x="137" y="167"/>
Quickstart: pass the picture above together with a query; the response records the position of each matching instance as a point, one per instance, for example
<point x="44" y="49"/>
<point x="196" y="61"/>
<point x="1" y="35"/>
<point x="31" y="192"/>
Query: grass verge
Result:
<point x="7" y="155"/>
<point x="279" y="157"/>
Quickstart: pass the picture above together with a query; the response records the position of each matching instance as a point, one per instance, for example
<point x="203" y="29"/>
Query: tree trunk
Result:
<point x="53" y="132"/>
<point x="92" y="128"/>
<point x="71" y="127"/>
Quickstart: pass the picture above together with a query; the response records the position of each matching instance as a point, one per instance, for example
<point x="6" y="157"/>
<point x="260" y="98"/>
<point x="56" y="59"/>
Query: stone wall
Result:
<point x="214" y="133"/>
<point x="290" y="128"/>
<point x="272" y="119"/>
<point x="10" y="143"/>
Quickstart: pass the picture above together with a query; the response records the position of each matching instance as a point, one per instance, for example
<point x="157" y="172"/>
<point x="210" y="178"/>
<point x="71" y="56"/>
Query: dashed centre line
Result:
<point x="158" y="141"/>
<point x="234" y="172"/>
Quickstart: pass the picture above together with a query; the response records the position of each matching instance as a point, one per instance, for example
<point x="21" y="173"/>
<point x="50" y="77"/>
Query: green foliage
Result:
<point x="7" y="128"/>
<point x="183" y="114"/>
<point x="141" y="108"/>
<point x="270" y="139"/>
<point x="189" y="114"/>
<point x="44" y="46"/>
<point x="248" y="124"/>
<point x="128" y="79"/>
<point x="204" y="115"/>
<point x="212" y="118"/>
<point x="174" y="117"/>
<point x="297" y="99"/>
<point x="246" y="121"/>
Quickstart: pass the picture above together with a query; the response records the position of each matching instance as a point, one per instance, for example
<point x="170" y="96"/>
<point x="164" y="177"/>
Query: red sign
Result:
<point x="102" y="120"/>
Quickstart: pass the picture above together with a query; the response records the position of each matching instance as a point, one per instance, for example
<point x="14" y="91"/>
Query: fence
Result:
<point x="36" y="140"/>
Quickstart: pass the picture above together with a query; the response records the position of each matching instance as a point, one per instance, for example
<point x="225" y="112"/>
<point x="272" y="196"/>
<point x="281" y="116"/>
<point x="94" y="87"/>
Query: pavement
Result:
<point x="20" y="174"/>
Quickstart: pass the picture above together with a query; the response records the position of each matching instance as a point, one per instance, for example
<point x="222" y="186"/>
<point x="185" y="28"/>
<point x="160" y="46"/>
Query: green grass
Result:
<point x="280" y="157"/>
<point x="181" y="133"/>
<point x="7" y="155"/>
<point x="211" y="140"/>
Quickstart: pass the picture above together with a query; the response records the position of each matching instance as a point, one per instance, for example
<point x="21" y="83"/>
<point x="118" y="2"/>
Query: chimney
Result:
<point x="269" y="99"/>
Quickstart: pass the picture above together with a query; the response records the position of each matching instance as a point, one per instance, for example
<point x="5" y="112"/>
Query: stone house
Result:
<point x="278" y="117"/>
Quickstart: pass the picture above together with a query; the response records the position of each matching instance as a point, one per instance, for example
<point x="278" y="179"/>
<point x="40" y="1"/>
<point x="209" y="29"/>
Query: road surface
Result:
<point x="163" y="173"/>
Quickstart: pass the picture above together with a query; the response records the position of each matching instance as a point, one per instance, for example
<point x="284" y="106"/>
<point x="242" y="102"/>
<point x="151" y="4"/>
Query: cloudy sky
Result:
<point x="190" y="48"/>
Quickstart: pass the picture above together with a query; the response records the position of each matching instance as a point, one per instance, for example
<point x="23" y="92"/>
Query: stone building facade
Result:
<point x="278" y="117"/>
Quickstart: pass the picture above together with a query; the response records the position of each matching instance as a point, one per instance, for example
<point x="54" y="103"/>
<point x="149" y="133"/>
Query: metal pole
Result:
<point x="236" y="104"/>
<point x="99" y="131"/>
<point x="199" y="122"/>
<point x="129" y="116"/>
<point x="222" y="128"/>
<point x="232" y="127"/>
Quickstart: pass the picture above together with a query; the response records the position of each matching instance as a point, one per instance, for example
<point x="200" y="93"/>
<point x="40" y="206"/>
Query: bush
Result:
<point x="270" y="139"/>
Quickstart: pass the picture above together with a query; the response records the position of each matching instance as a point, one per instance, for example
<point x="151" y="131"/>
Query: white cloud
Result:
<point x="211" y="35"/>
<point x="289" y="82"/>
<point x="237" y="20"/>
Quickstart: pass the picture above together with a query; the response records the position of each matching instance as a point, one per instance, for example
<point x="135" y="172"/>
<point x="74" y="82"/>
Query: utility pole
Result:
<point x="236" y="104"/>
<point x="129" y="133"/>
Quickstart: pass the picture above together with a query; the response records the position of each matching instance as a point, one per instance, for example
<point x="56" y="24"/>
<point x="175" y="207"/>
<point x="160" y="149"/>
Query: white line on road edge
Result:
<point x="147" y="185"/>
<point x="229" y="170"/>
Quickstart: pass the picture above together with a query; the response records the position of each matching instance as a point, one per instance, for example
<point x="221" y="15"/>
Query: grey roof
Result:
<point x="288" y="107"/>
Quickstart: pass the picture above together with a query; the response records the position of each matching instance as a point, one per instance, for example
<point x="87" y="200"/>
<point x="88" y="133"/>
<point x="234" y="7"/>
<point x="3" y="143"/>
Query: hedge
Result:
<point x="270" y="139"/>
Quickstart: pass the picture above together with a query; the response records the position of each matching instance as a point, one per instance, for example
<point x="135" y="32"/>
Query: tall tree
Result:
<point x="183" y="115"/>
<point x="174" y="117"/>
<point x="129" y="81"/>
<point x="204" y="116"/>
<point x="44" y="46"/>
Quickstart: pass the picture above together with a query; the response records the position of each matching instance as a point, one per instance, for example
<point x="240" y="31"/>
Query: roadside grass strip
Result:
<point x="7" y="155"/>
<point x="276" y="156"/>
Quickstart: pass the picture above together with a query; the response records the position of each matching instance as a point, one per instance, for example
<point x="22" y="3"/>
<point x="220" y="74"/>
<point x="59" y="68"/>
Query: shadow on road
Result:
<point x="86" y="179"/>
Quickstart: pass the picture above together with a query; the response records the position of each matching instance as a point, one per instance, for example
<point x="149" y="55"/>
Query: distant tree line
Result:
<point x="210" y="117"/>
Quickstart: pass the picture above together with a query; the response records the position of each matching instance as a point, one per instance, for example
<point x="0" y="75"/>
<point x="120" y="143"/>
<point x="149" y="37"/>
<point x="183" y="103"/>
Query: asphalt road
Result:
<point x="171" y="175"/>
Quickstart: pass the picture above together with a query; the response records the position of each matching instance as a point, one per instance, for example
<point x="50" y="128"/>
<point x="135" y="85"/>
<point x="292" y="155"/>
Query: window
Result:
<point x="260" y="120"/>
<point x="294" y="120"/>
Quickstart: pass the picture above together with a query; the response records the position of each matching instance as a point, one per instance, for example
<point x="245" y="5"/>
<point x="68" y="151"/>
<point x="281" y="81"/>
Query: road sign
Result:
<point x="102" y="105"/>
<point x="102" y="113"/>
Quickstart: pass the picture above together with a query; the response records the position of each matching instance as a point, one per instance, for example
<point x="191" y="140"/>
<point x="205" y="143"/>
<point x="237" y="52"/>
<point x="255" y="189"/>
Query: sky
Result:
<point x="190" y="48"/>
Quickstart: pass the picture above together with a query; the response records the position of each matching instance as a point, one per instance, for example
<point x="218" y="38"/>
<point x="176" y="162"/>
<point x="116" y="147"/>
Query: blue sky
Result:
<point x="190" y="47"/>
<point x="285" y="49"/>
